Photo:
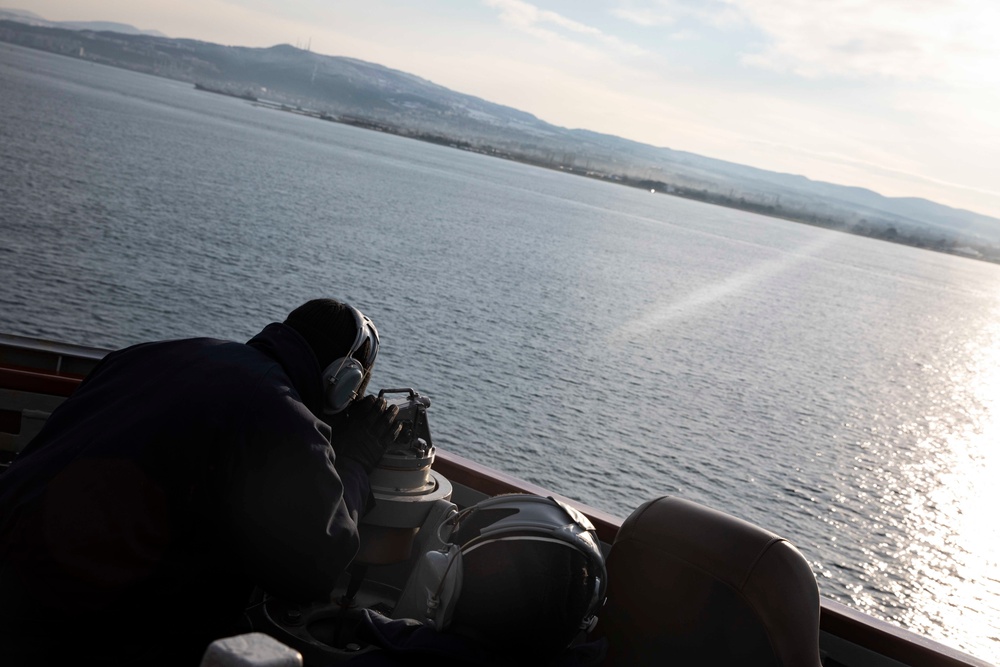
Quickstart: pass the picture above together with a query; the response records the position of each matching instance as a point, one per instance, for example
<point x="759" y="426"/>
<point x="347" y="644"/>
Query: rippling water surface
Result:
<point x="599" y="340"/>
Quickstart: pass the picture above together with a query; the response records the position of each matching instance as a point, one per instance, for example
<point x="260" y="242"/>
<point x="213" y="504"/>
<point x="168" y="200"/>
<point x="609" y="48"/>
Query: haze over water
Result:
<point x="602" y="341"/>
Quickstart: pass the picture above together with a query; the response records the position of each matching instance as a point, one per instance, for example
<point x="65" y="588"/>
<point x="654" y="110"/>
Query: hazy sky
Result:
<point x="900" y="96"/>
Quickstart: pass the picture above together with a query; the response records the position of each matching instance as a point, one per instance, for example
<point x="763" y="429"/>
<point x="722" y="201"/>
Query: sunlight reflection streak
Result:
<point x="957" y="515"/>
<point x="713" y="293"/>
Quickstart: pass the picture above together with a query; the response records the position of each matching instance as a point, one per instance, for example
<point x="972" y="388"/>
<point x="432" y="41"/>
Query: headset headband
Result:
<point x="346" y="377"/>
<point x="366" y="332"/>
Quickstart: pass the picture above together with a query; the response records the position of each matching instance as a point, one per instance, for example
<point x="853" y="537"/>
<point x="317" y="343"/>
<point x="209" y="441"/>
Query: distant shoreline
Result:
<point x="888" y="234"/>
<point x="250" y="97"/>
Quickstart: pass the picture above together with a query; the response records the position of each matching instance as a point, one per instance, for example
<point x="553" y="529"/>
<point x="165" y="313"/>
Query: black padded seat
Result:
<point x="689" y="585"/>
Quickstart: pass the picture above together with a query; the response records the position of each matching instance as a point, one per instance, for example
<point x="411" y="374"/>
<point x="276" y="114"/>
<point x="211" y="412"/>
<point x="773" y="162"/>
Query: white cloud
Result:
<point x="910" y="40"/>
<point x="523" y="14"/>
<point x="952" y="41"/>
<point x="644" y="17"/>
<point x="716" y="13"/>
<point x="530" y="19"/>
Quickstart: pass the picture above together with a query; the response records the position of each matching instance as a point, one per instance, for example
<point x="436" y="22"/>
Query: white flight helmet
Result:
<point x="521" y="569"/>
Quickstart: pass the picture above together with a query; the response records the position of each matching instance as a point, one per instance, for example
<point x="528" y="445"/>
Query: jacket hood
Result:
<point x="287" y="347"/>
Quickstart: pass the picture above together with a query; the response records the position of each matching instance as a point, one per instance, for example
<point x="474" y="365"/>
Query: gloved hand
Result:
<point x="367" y="430"/>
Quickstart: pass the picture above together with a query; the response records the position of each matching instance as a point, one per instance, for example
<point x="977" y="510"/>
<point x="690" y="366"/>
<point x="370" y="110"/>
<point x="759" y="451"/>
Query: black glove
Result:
<point x="367" y="430"/>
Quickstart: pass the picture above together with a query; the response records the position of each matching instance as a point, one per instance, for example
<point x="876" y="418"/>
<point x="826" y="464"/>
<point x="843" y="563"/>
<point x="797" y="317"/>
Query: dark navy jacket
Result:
<point x="178" y="476"/>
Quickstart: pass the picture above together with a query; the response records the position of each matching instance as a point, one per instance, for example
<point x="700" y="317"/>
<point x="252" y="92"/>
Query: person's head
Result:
<point x="530" y="575"/>
<point x="345" y="343"/>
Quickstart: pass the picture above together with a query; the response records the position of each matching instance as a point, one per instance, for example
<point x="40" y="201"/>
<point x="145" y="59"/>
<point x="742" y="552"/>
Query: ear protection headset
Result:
<point x="523" y="517"/>
<point x="346" y="378"/>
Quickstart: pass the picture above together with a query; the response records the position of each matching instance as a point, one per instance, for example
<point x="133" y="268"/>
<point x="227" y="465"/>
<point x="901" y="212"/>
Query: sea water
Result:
<point x="605" y="342"/>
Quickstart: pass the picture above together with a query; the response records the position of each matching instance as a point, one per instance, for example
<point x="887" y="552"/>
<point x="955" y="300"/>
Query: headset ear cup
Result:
<point x="341" y="381"/>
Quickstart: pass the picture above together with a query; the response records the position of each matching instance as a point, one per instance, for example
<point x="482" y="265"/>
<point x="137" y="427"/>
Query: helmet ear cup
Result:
<point x="341" y="381"/>
<point x="433" y="588"/>
<point x="442" y="597"/>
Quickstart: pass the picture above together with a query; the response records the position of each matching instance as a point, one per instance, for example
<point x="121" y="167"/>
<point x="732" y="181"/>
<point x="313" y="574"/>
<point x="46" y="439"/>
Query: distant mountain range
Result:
<point x="367" y="94"/>
<point x="31" y="18"/>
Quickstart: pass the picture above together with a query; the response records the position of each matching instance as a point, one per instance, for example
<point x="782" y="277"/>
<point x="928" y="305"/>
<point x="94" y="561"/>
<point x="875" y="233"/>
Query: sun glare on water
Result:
<point x="953" y="523"/>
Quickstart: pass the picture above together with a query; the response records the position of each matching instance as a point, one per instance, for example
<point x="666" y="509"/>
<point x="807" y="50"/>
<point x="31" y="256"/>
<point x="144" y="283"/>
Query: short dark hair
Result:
<point x="328" y="325"/>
